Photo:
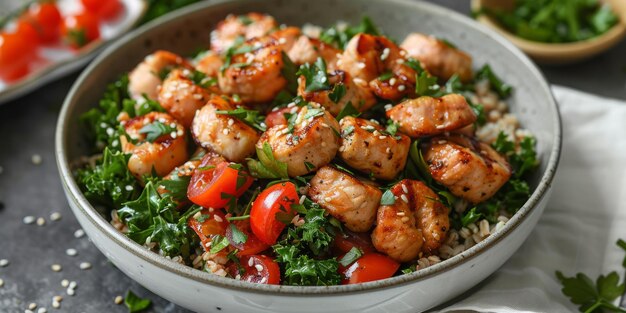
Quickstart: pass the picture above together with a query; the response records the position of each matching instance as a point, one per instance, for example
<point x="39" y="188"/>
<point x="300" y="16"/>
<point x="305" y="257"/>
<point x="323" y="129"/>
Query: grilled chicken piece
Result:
<point x="438" y="57"/>
<point x="181" y="98"/>
<point x="417" y="223"/>
<point x="471" y="169"/>
<point x="365" y="148"/>
<point x="348" y="199"/>
<point x="307" y="50"/>
<point x="427" y="116"/>
<point x="146" y="77"/>
<point x="224" y="134"/>
<point x="313" y="143"/>
<point x="248" y="26"/>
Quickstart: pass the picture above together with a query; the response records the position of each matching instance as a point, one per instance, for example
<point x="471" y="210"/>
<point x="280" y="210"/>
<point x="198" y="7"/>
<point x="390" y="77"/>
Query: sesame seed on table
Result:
<point x="38" y="229"/>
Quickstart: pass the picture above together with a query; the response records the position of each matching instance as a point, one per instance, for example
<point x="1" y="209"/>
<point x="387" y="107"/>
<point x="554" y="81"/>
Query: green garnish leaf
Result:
<point x="267" y="166"/>
<point x="315" y="75"/>
<point x="218" y="243"/>
<point x="470" y="217"/>
<point x="425" y="84"/>
<point x="338" y="92"/>
<point x="388" y="198"/>
<point x="340" y="38"/>
<point x="502" y="88"/>
<point x="348" y="110"/>
<point x="238" y="236"/>
<point x="385" y="76"/>
<point x="155" y="130"/>
<point x="134" y="303"/>
<point x="252" y="118"/>
<point x="351" y="257"/>
<point x="289" y="71"/>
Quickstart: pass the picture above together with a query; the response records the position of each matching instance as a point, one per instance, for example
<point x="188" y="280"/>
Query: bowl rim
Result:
<point x="75" y="195"/>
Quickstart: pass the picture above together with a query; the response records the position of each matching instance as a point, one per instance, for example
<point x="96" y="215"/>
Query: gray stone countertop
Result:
<point x="27" y="189"/>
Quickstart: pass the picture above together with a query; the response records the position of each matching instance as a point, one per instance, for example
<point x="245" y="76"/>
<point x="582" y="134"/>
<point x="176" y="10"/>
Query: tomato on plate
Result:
<point x="207" y="225"/>
<point x="251" y="245"/>
<point x="275" y="199"/>
<point x="213" y="186"/>
<point x="277" y="117"/>
<point x="348" y="240"/>
<point x="369" y="267"/>
<point x="46" y="17"/>
<point x="105" y="9"/>
<point x="79" y="30"/>
<point x="260" y="269"/>
<point x="16" y="51"/>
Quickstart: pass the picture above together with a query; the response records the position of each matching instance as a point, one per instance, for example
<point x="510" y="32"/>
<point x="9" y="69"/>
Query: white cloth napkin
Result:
<point x="584" y="217"/>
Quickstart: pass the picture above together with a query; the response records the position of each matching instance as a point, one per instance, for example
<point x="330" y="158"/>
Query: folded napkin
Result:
<point x="584" y="217"/>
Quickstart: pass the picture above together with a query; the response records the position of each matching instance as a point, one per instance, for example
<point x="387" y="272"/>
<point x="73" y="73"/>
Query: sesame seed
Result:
<point x="401" y="213"/>
<point x="41" y="221"/>
<point x="327" y="199"/>
<point x="401" y="88"/>
<point x="402" y="53"/>
<point x="404" y="198"/>
<point x="225" y="131"/>
<point x="103" y="125"/>
<point x="441" y="142"/>
<point x="231" y="122"/>
<point x="70" y="292"/>
<point x="28" y="311"/>
<point x="56" y="304"/>
<point x="217" y="218"/>
<point x="32" y="306"/>
<point x="392" y="81"/>
<point x="85" y="265"/>
<point x="173" y="135"/>
<point x="404" y="219"/>
<point x="55" y="216"/>
<point x="28" y="219"/>
<point x="385" y="54"/>
<point x="258" y="267"/>
<point x="388" y="106"/>
<point x="302" y="198"/>
<point x="382" y="137"/>
<point x="65" y="283"/>
<point x="400" y="61"/>
<point x="71" y="252"/>
<point x="115" y="143"/>
<point x="128" y="188"/>
<point x="57" y="299"/>
<point x="197" y="96"/>
<point x="79" y="233"/>
<point x="250" y="262"/>
<point x="110" y="131"/>
<point x="36" y="159"/>
<point x="360" y="65"/>
<point x="56" y="267"/>
<point x="42" y="310"/>
<point x="406" y="190"/>
<point x="118" y="300"/>
<point x="4" y="263"/>
<point x="1" y="282"/>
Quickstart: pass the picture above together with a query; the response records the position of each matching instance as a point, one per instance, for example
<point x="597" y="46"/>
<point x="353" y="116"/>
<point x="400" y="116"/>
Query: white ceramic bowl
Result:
<point x="187" y="30"/>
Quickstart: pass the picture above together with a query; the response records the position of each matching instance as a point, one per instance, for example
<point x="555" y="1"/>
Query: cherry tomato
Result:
<point x="208" y="225"/>
<point x="214" y="187"/>
<point x="277" y="117"/>
<point x="348" y="240"/>
<point x="27" y="30"/>
<point x="105" y="9"/>
<point x="15" y="53"/>
<point x="275" y="199"/>
<point x="252" y="245"/>
<point x="79" y="30"/>
<point x="369" y="267"/>
<point x="259" y="269"/>
<point x="46" y="18"/>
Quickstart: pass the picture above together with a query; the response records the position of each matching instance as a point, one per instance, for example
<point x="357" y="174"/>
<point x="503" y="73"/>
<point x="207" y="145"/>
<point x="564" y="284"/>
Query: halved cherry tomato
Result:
<point x="275" y="199"/>
<point x="214" y="187"/>
<point x="79" y="30"/>
<point x="105" y="9"/>
<point x="46" y="18"/>
<point x="277" y="117"/>
<point x="259" y="269"/>
<point x="15" y="53"/>
<point x="348" y="240"/>
<point x="369" y="267"/>
<point x="208" y="225"/>
<point x="252" y="245"/>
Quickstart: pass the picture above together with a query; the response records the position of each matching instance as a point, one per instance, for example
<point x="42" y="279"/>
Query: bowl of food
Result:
<point x="556" y="32"/>
<point x="237" y="150"/>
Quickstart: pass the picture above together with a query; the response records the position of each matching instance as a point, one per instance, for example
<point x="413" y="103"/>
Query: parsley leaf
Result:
<point x="267" y="166"/>
<point x="470" y="217"/>
<point x="218" y="243"/>
<point x="302" y="270"/>
<point x="176" y="186"/>
<point x="502" y="88"/>
<point x="238" y="236"/>
<point x="315" y="75"/>
<point x="348" y="110"/>
<point x="425" y="84"/>
<point x="590" y="296"/>
<point x="388" y="198"/>
<point x="351" y="257"/>
<point x="252" y="118"/>
<point x="339" y="36"/>
<point x="155" y="130"/>
<point x="338" y="92"/>
<point x="134" y="303"/>
<point x="289" y="71"/>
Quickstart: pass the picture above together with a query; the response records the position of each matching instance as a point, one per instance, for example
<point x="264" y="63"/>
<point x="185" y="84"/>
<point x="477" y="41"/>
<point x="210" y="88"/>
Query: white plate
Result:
<point x="59" y="60"/>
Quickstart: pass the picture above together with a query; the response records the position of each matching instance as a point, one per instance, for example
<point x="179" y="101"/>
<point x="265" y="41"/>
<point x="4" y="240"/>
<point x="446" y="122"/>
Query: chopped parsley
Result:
<point x="252" y="118"/>
<point x="388" y="198"/>
<point x="218" y="243"/>
<point x="339" y="36"/>
<point x="348" y="110"/>
<point x="134" y="303"/>
<point x="315" y="75"/>
<point x="339" y="90"/>
<point x="289" y="71"/>
<point x="155" y="130"/>
<point x="267" y="166"/>
<point x="503" y="89"/>
<point x="238" y="237"/>
<point x="352" y="256"/>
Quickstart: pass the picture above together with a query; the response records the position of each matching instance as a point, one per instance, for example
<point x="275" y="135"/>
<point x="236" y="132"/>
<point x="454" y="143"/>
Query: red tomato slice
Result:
<point x="275" y="199"/>
<point x="259" y="269"/>
<point x="213" y="187"/>
<point x="277" y="117"/>
<point x="47" y="19"/>
<point x="208" y="225"/>
<point x="15" y="53"/>
<point x="348" y="240"/>
<point x="105" y="9"/>
<point x="369" y="267"/>
<point x="252" y="245"/>
<point x="79" y="30"/>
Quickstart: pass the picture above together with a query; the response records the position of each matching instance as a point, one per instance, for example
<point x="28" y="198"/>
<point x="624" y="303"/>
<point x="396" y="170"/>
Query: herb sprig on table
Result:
<point x="598" y="296"/>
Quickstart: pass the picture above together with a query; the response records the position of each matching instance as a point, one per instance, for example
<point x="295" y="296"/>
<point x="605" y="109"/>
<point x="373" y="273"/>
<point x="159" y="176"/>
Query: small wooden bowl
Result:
<point x="557" y="53"/>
